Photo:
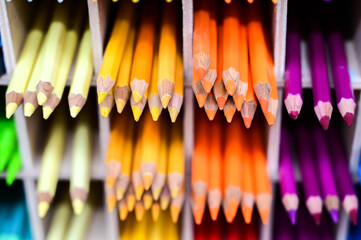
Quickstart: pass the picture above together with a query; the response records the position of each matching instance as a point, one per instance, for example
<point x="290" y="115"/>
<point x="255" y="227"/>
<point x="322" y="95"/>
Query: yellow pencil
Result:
<point x="137" y="181"/>
<point x="123" y="209"/>
<point x="154" y="103"/>
<point x="130" y="198"/>
<point x="164" y="198"/>
<point x="177" y="205"/>
<point x="60" y="221"/>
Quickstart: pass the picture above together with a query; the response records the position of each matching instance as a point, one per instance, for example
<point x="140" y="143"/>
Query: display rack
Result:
<point x="14" y="18"/>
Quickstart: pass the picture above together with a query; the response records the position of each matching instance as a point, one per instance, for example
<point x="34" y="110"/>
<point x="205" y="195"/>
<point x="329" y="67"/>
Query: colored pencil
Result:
<point x="155" y="211"/>
<point x="107" y="105"/>
<point x="210" y="106"/>
<point x="110" y="196"/>
<point x="288" y="186"/>
<point x="249" y="106"/>
<point x="154" y="103"/>
<point x="26" y="62"/>
<point x="83" y="72"/>
<point x="147" y="200"/>
<point x="342" y="175"/>
<point x="308" y="172"/>
<point x="137" y="108"/>
<point x="177" y="205"/>
<point x="216" y="161"/>
<point x="258" y="55"/>
<point x="200" y="167"/>
<point x="122" y="87"/>
<point x="123" y="209"/>
<point x="143" y="53"/>
<point x="163" y="163"/>
<point x="54" y="48"/>
<point x="81" y="162"/>
<point x="233" y="154"/>
<point x="354" y="232"/>
<point x="229" y="109"/>
<point x="324" y="172"/>
<point x="231" y="46"/>
<point x="50" y="163"/>
<point x="139" y="211"/>
<point x="201" y="42"/>
<point x="137" y="181"/>
<point x="8" y="142"/>
<point x="293" y="83"/>
<point x="164" y="198"/>
<point x="60" y="221"/>
<point x="130" y="198"/>
<point x="115" y="49"/>
<point x="198" y="90"/>
<point x="273" y="100"/>
<point x="167" y="53"/>
<point x="320" y="83"/>
<point x="262" y="183"/>
<point x="13" y="167"/>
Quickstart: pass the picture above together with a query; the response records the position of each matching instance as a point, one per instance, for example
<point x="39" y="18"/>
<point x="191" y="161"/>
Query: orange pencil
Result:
<point x="229" y="109"/>
<point x="260" y="175"/>
<point x="247" y="185"/>
<point x="232" y="167"/>
<point x="210" y="106"/>
<point x="219" y="89"/>
<point x="258" y="56"/>
<point x="249" y="106"/>
<point x="273" y="100"/>
<point x="200" y="166"/>
<point x="123" y="209"/>
<point x="201" y="38"/>
<point x="143" y="53"/>
<point x="215" y="192"/>
<point x="198" y="90"/>
<point x="176" y="205"/>
<point x="242" y="86"/>
<point x="211" y="74"/>
<point x="231" y="50"/>
<point x="130" y="198"/>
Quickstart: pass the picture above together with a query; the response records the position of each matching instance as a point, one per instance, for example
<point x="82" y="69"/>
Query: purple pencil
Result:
<point x="344" y="94"/>
<point x="320" y="83"/>
<point x="342" y="175"/>
<point x="287" y="180"/>
<point x="306" y="228"/>
<point x="325" y="173"/>
<point x="283" y="229"/>
<point x="293" y="84"/>
<point x="309" y="178"/>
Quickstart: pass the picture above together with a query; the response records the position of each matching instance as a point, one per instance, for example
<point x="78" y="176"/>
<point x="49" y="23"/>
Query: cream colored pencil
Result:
<point x="81" y="162"/>
<point x="82" y="77"/>
<point x="50" y="163"/>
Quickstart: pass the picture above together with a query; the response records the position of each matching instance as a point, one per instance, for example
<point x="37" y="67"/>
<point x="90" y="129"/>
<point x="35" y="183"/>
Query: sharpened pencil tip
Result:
<point x="294" y="114"/>
<point x="42" y="98"/>
<point x="110" y="181"/>
<point x="293" y="216"/>
<point x="104" y="111"/>
<point x="155" y="212"/>
<point x="164" y="203"/>
<point x="230" y="87"/>
<point x="120" y="193"/>
<point x="247" y="122"/>
<point x="101" y="97"/>
<point x="120" y="105"/>
<point x="111" y="201"/>
<point x="155" y="112"/>
<point x="317" y="218"/>
<point x="136" y="113"/>
<point x="207" y="85"/>
<point x="174" y="212"/>
<point x="264" y="215"/>
<point x="221" y="102"/>
<point x="130" y="203"/>
<point x="139" y="189"/>
<point x="229" y="114"/>
<point x="334" y="215"/>
<point x="325" y="121"/>
<point x="123" y="213"/>
<point x="174" y="192"/>
<point x="270" y="118"/>
<point x="156" y="192"/>
<point x="137" y="97"/>
<point x="198" y="215"/>
<point x="147" y="180"/>
<point x="201" y="72"/>
<point x="173" y="113"/>
<point x="231" y="212"/>
<point x="147" y="201"/>
<point x="78" y="206"/>
<point x="214" y="213"/>
<point x="139" y="212"/>
<point x="211" y="114"/>
<point x="28" y="109"/>
<point x="47" y="111"/>
<point x="10" y="109"/>
<point x="247" y="214"/>
<point x="74" y="111"/>
<point x="348" y="119"/>
<point x="353" y="216"/>
<point x="43" y="208"/>
<point x="165" y="100"/>
<point x="201" y="99"/>
<point x="264" y="105"/>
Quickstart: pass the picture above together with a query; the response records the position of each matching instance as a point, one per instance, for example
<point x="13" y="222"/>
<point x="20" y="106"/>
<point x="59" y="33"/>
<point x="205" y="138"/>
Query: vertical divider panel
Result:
<point x="98" y="23"/>
<point x="9" y="57"/>
<point x="187" y="6"/>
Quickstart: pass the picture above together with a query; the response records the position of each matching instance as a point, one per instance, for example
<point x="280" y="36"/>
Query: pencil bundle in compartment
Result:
<point x="46" y="59"/>
<point x="143" y="61"/>
<point x="145" y="166"/>
<point x="229" y="169"/>
<point x="233" y="61"/>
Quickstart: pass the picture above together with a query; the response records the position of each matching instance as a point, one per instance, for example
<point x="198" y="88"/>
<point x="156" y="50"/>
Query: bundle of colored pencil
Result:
<point x="163" y="229"/>
<point x="45" y="61"/>
<point x="13" y="212"/>
<point x="64" y="224"/>
<point x="305" y="228"/>
<point x="145" y="168"/>
<point x="220" y="229"/>
<point x="324" y="171"/>
<point x="250" y="1"/>
<point x="319" y="64"/>
<point x="52" y="157"/>
<point x="143" y="63"/>
<point x="229" y="169"/>
<point x="232" y="61"/>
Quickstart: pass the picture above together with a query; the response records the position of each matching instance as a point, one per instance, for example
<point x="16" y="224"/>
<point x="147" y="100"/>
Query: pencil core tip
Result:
<point x="10" y="109"/>
<point x="136" y="113"/>
<point x="264" y="215"/>
<point x="110" y="181"/>
<point x="247" y="214"/>
<point x="101" y="97"/>
<point x="201" y="72"/>
<point x="42" y="98"/>
<point x="155" y="112"/>
<point x="104" y="111"/>
<point x="353" y="216"/>
<point x="348" y="119"/>
<point x="164" y="203"/>
<point x="43" y="208"/>
<point x="120" y="105"/>
<point x="294" y="114"/>
<point x="201" y="99"/>
<point x="173" y="113"/>
<point x="74" y="111"/>
<point x="247" y="122"/>
<point x="78" y="206"/>
<point x="123" y="213"/>
<point x="130" y="203"/>
<point x="155" y="212"/>
<point x="207" y="85"/>
<point x="174" y="212"/>
<point x="28" y="109"/>
<point x="317" y="218"/>
<point x="174" y="192"/>
<point x="120" y="193"/>
<point x="156" y="192"/>
<point x="137" y="97"/>
<point x="221" y="102"/>
<point x="293" y="216"/>
<point x="325" y="121"/>
<point x="47" y="111"/>
<point x="111" y="201"/>
<point x="139" y="212"/>
<point x="147" y="180"/>
<point x="334" y="215"/>
<point x="211" y="114"/>
<point x="165" y="100"/>
<point x="231" y="87"/>
<point x="214" y="213"/>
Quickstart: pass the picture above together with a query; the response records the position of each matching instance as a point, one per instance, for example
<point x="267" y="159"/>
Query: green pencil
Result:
<point x="14" y="167"/>
<point x="7" y="142"/>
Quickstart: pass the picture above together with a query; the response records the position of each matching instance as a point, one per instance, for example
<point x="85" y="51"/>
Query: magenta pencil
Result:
<point x="320" y="82"/>
<point x="342" y="175"/>
<point x="309" y="178"/>
<point x="287" y="180"/>
<point x="324" y="173"/>
<point x="344" y="94"/>
<point x="293" y="83"/>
